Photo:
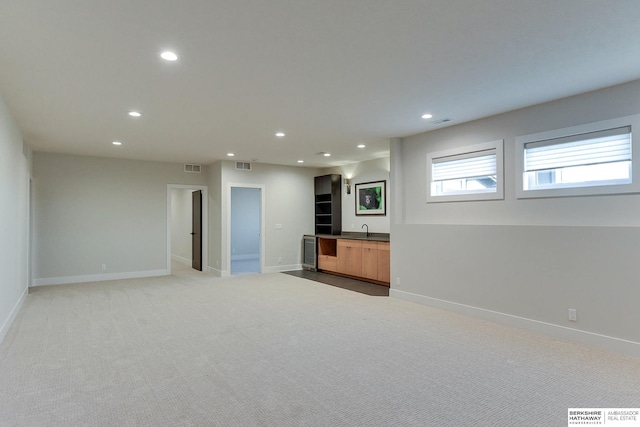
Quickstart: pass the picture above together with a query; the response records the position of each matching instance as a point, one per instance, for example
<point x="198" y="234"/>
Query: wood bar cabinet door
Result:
<point x="370" y="260"/>
<point x="349" y="257"/>
<point x="384" y="263"/>
<point x="342" y="265"/>
<point x="355" y="258"/>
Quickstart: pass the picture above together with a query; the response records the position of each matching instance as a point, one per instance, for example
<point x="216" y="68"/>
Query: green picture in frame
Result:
<point x="371" y="198"/>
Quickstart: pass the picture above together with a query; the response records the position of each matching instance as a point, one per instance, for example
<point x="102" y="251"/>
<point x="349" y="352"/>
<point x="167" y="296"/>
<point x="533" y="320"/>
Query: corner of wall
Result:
<point x="4" y="329"/>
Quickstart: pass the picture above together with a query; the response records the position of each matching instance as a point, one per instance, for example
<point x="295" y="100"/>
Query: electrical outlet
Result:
<point x="397" y="280"/>
<point x="573" y="315"/>
<point x="278" y="226"/>
<point x="104" y="267"/>
<point x="279" y="260"/>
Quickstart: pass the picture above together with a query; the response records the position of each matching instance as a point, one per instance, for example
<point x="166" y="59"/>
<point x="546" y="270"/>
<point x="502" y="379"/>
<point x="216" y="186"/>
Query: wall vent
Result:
<point x="243" y="166"/>
<point x="192" y="168"/>
<point x="441" y="121"/>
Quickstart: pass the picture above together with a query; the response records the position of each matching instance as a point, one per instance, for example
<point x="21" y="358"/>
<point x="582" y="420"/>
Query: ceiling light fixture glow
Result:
<point x="168" y="56"/>
<point x="230" y="154"/>
<point x="280" y="134"/>
<point x="300" y="161"/>
<point x="361" y="146"/>
<point x="327" y="154"/>
<point x="117" y="143"/>
<point x="426" y="116"/>
<point x="134" y="113"/>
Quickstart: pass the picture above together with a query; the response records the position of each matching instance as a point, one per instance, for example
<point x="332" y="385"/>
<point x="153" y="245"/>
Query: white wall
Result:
<point x="362" y="172"/>
<point x="14" y="219"/>
<point x="214" y="180"/>
<point x="181" y="219"/>
<point x="521" y="261"/>
<point x="289" y="201"/>
<point x="93" y="211"/>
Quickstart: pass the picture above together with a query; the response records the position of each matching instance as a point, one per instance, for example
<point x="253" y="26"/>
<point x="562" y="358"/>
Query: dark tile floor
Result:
<point x="342" y="282"/>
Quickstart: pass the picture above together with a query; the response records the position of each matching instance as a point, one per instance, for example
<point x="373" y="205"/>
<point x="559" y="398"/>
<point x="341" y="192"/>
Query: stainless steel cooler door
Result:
<point x="309" y="252"/>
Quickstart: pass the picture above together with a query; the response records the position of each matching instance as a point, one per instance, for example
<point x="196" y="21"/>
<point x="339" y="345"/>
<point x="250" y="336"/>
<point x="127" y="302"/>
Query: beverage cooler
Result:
<point x="309" y="252"/>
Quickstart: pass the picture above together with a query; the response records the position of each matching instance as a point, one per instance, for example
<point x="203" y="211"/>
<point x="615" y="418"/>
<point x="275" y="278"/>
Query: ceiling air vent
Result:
<point x="192" y="168"/>
<point x="243" y="166"/>
<point x="441" y="121"/>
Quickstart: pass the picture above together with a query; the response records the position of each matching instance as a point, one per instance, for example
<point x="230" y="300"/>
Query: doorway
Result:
<point x="187" y="226"/>
<point x="245" y="237"/>
<point x="196" y="230"/>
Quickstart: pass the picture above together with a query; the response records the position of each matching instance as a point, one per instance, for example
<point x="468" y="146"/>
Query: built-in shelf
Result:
<point x="328" y="204"/>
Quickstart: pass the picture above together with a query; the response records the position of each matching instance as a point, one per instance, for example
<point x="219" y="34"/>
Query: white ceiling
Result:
<point x="330" y="74"/>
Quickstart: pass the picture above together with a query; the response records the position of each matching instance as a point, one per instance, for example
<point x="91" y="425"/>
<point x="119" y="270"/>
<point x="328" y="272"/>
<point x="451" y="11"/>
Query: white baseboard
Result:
<point x="181" y="260"/>
<point x="98" y="277"/>
<point x="605" y="342"/>
<point x="12" y="315"/>
<point x="218" y="273"/>
<point x="281" y="268"/>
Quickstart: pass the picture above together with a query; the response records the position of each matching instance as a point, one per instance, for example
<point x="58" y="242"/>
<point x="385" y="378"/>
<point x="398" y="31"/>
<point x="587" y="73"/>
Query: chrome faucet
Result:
<point x="368" y="234"/>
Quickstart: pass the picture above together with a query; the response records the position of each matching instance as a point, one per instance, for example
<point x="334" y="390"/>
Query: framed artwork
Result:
<point x="371" y="198"/>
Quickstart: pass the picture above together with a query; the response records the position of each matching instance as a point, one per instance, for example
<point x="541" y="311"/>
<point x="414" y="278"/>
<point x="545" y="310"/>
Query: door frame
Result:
<point x="30" y="233"/>
<point x="205" y="222"/>
<point x="262" y="223"/>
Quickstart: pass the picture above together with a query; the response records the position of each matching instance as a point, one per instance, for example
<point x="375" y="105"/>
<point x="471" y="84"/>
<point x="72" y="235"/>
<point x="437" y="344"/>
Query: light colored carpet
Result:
<point x="276" y="350"/>
<point x="245" y="266"/>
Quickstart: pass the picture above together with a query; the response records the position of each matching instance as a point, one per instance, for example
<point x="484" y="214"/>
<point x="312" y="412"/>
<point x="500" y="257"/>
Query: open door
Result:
<point x="196" y="230"/>
<point x="245" y="230"/>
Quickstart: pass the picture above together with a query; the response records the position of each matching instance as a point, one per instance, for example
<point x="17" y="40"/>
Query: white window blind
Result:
<point x="607" y="146"/>
<point x="589" y="159"/>
<point x="466" y="173"/>
<point x="469" y="165"/>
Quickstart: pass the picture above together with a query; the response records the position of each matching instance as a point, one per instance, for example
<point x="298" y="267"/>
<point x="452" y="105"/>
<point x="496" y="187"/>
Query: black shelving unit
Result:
<point x="328" y="199"/>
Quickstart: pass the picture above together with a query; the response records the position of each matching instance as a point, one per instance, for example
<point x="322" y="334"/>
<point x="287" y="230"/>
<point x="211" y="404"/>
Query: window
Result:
<point x="468" y="173"/>
<point x="596" y="158"/>
<point x="585" y="160"/>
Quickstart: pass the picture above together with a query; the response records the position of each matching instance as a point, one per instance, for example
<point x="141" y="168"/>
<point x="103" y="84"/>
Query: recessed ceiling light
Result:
<point x="280" y="134"/>
<point x="426" y="116"/>
<point x="300" y="161"/>
<point x="327" y="154"/>
<point x="117" y="143"/>
<point x="134" y="113"/>
<point x="230" y="154"/>
<point x="168" y="56"/>
<point x="361" y="145"/>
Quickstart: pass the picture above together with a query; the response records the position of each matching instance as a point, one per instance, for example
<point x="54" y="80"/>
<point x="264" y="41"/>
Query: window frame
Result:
<point x="497" y="146"/>
<point x="592" y="188"/>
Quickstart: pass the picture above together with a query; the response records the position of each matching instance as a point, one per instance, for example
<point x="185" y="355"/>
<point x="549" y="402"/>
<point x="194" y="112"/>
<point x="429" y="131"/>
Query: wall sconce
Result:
<point x="347" y="183"/>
